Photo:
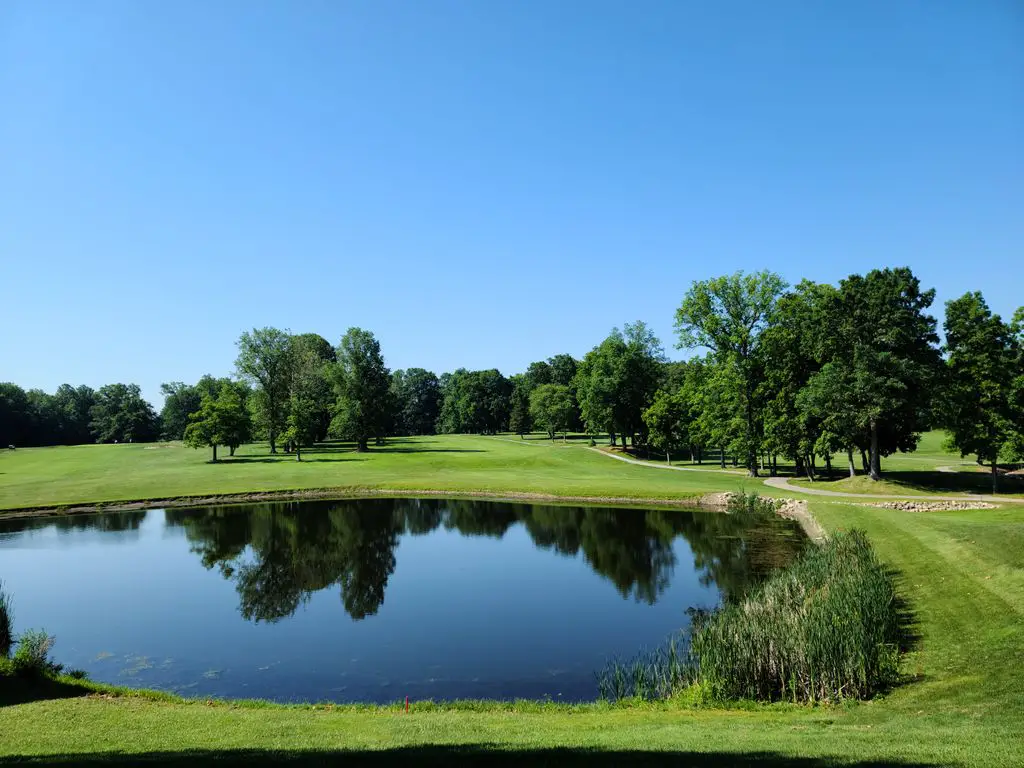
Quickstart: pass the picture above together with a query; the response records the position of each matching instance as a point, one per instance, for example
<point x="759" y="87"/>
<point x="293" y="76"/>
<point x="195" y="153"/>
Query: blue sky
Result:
<point x="480" y="183"/>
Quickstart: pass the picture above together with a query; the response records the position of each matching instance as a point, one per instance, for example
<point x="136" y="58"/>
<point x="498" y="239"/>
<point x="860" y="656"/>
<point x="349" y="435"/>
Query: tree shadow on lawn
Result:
<point x="438" y="755"/>
<point x="22" y="690"/>
<point x="932" y="481"/>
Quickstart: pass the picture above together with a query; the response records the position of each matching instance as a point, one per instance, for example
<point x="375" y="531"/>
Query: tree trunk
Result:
<point x="828" y="465"/>
<point x="273" y="440"/>
<point x="298" y="452"/>
<point x="231" y="450"/>
<point x="721" y="454"/>
<point x="799" y="464"/>
<point x="809" y="466"/>
<point x="361" y="446"/>
<point x="995" y="473"/>
<point x="876" y="469"/>
<point x="668" y="458"/>
<point x="611" y="436"/>
<point x="849" y="457"/>
<point x="751" y="448"/>
<point x="214" y="451"/>
<point x="864" y="462"/>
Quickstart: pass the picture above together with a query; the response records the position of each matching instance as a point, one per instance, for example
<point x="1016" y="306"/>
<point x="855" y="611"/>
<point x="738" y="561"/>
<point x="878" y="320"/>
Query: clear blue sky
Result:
<point x="480" y="183"/>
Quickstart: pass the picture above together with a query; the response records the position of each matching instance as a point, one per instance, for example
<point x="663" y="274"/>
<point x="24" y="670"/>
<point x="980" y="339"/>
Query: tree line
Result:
<point x="798" y="373"/>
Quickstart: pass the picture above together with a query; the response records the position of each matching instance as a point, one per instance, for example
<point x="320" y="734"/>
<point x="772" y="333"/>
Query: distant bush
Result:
<point x="6" y="623"/>
<point x="825" y="629"/>
<point x="32" y="657"/>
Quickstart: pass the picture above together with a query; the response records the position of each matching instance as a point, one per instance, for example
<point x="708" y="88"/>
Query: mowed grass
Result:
<point x="37" y="477"/>
<point x="962" y="702"/>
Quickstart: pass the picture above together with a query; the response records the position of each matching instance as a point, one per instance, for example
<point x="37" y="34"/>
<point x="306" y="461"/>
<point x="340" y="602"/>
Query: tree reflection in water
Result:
<point x="279" y="555"/>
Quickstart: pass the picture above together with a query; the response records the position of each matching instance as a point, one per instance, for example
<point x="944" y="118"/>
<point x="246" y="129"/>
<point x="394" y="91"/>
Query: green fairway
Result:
<point x="85" y="474"/>
<point x="461" y="463"/>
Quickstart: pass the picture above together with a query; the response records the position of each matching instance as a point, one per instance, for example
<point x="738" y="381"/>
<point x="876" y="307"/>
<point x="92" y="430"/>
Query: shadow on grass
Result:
<point x="22" y="690"/>
<point x="923" y="481"/>
<point x="437" y="755"/>
<point x="390" y="449"/>
<point x="908" y="623"/>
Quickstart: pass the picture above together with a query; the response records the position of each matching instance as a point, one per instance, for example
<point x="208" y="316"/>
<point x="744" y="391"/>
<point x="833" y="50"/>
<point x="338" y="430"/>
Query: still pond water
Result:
<point x="374" y="600"/>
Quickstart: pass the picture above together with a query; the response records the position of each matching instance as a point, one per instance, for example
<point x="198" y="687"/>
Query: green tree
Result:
<point x="221" y="420"/>
<point x="74" y="406"/>
<point x="1017" y="395"/>
<point x="881" y="334"/>
<point x="15" y="422"/>
<point x="982" y="366"/>
<point x="519" y="411"/>
<point x="181" y="400"/>
<point x="265" y="360"/>
<point x="314" y="357"/>
<point x="417" y="396"/>
<point x="791" y="353"/>
<point x="617" y="380"/>
<point x="551" y="408"/>
<point x="302" y="423"/>
<point x="728" y="315"/>
<point x="475" y="401"/>
<point x="120" y="415"/>
<point x="362" y="383"/>
<point x="667" y="421"/>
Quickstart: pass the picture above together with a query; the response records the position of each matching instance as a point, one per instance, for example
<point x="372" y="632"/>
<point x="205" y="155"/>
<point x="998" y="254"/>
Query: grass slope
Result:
<point x="95" y="473"/>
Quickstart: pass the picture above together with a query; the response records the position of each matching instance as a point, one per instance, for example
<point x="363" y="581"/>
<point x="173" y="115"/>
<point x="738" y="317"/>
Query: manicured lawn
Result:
<point x="963" y="573"/>
<point x="93" y="473"/>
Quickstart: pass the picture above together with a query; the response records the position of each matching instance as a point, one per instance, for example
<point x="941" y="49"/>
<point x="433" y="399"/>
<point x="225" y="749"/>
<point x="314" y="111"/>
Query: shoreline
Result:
<point x="707" y="500"/>
<point x="796" y="510"/>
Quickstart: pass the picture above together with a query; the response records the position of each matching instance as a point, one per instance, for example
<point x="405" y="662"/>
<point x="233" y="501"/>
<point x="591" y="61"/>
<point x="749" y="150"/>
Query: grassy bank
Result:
<point x="461" y="463"/>
<point x="89" y="474"/>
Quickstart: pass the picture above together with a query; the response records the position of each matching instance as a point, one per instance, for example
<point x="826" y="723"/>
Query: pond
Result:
<point x="376" y="599"/>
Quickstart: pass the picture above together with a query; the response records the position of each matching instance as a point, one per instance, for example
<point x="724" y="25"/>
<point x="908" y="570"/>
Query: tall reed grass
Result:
<point x="6" y="623"/>
<point x="825" y="629"/>
<point x="655" y="674"/>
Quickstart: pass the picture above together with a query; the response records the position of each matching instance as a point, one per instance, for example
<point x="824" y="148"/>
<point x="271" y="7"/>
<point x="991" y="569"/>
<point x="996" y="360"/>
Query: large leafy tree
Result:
<point x="121" y="415"/>
<point x="728" y="315"/>
<point x="221" y="419"/>
<point x="617" y="380"/>
<point x="313" y="357"/>
<point x="74" y="406"/>
<point x="417" y="396"/>
<point x="982" y="367"/>
<point x="667" y="421"/>
<point x="519" y="407"/>
<point x="1017" y="396"/>
<point x="884" y="340"/>
<point x="790" y="351"/>
<point x="363" y="387"/>
<point x="181" y="400"/>
<point x="552" y="408"/>
<point x="15" y="421"/>
<point x="265" y="360"/>
<point x="475" y="401"/>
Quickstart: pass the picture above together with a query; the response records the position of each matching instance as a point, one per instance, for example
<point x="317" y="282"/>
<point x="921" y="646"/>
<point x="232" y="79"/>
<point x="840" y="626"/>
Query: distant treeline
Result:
<point x="794" y="373"/>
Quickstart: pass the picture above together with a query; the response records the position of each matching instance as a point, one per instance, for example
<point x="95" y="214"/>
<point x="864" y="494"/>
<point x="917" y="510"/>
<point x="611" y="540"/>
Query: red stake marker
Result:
<point x="407" y="705"/>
